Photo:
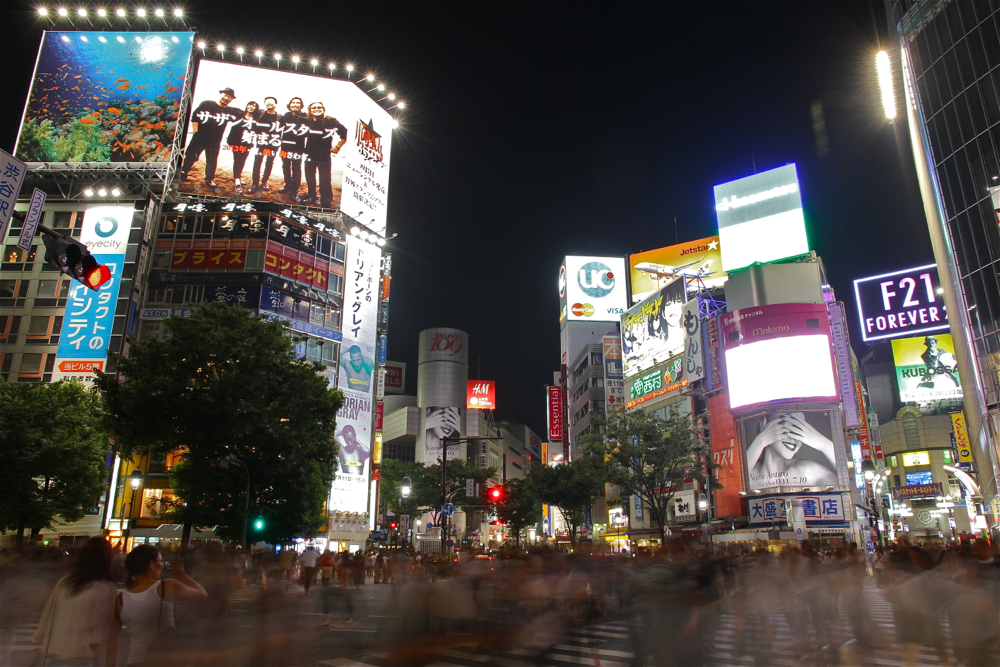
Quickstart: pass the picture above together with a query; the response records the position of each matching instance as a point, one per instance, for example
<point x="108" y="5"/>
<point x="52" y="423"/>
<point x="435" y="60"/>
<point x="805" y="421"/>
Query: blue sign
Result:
<point x="383" y="348"/>
<point x="305" y="327"/>
<point x="449" y="543"/>
<point x="86" y="329"/>
<point x="448" y="509"/>
<point x="820" y="507"/>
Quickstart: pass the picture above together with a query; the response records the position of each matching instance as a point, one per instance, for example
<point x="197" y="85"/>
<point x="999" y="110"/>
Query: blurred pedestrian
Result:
<point x="309" y="561"/>
<point x="326" y="564"/>
<point x="78" y="626"/>
<point x="146" y="607"/>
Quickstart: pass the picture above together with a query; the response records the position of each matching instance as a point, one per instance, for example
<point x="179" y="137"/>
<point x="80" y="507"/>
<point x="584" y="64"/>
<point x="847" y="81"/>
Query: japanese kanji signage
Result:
<point x="961" y="432"/>
<point x="86" y="328"/>
<point x="614" y="385"/>
<point x="820" y="507"/>
<point x="12" y="173"/>
<point x="208" y="259"/>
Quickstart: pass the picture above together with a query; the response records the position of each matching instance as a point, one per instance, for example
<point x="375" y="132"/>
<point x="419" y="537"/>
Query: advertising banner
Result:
<point x="779" y="354"/>
<point x="819" y="507"/>
<point x="715" y="376"/>
<point x="481" y="395"/>
<point x="288" y="137"/>
<point x="395" y="377"/>
<point x="359" y="328"/>
<point x="961" y="432"/>
<point x="684" y="506"/>
<point x="555" y="412"/>
<point x="902" y="303"/>
<point x="654" y="269"/>
<point x="665" y="378"/>
<point x="931" y="490"/>
<point x="105" y="97"/>
<point x="926" y="368"/>
<point x="760" y="218"/>
<point x="86" y="327"/>
<point x="694" y="355"/>
<point x="614" y="383"/>
<point x="652" y="330"/>
<point x="592" y="289"/>
<point x="441" y="423"/>
<point x="349" y="492"/>
<point x="845" y="371"/>
<point x="790" y="449"/>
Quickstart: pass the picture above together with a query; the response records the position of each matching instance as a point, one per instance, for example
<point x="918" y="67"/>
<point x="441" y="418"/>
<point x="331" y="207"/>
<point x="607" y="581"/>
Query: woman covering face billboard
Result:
<point x="790" y="448"/>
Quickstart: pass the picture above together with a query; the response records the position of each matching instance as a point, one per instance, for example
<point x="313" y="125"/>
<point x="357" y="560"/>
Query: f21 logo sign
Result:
<point x="900" y="304"/>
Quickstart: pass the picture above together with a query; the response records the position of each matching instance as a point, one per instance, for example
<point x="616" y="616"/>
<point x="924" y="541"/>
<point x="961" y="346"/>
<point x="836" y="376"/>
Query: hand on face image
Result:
<point x="790" y="444"/>
<point x="442" y="422"/>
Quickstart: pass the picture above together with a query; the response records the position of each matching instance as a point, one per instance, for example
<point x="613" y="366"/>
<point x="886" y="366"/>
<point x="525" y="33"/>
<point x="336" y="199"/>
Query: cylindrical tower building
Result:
<point x="442" y="379"/>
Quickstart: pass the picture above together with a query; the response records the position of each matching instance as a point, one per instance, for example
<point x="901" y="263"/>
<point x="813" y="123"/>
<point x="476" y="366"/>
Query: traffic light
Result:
<point x="495" y="494"/>
<point x="393" y="525"/>
<point x="74" y="259"/>
<point x="258" y="524"/>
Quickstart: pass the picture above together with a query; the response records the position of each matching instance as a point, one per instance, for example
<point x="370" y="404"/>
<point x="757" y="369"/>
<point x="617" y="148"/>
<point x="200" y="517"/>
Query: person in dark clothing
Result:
<point x="208" y="124"/>
<point x="268" y="128"/>
<point x="319" y="147"/>
<point x="241" y="139"/>
<point x="293" y="141"/>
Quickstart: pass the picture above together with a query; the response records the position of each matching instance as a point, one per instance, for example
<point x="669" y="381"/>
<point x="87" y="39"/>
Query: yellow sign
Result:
<point x="916" y="459"/>
<point x="654" y="269"/>
<point x="961" y="437"/>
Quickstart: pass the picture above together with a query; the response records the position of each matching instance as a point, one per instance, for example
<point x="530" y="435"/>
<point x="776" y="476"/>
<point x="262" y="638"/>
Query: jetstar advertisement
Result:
<point x="760" y="218"/>
<point x="790" y="449"/>
<point x="86" y="327"/>
<point x="926" y="368"/>
<point x="105" y="97"/>
<point x="614" y="383"/>
<point x="654" y="269"/>
<point x="592" y="289"/>
<point x="286" y="137"/>
<point x="900" y="304"/>
<point x="349" y="492"/>
<point x="481" y="395"/>
<point x="652" y="330"/>
<point x="780" y="353"/>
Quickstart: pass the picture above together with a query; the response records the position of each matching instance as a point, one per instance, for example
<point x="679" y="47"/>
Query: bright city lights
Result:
<point x="314" y="62"/>
<point x="120" y="12"/>
<point x="159" y="13"/>
<point x="140" y="12"/>
<point x="885" y="84"/>
<point x="102" y="12"/>
<point x="62" y="11"/>
<point x="178" y="13"/>
<point x="42" y="11"/>
<point x="295" y="59"/>
<point x="201" y="45"/>
<point x="81" y="12"/>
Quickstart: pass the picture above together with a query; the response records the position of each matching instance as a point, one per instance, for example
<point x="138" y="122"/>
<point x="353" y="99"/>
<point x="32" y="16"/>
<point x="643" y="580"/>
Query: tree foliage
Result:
<point x="52" y="457"/>
<point x="425" y="490"/>
<point x="572" y="487"/>
<point x="519" y="506"/>
<point x="225" y="382"/>
<point x="649" y="456"/>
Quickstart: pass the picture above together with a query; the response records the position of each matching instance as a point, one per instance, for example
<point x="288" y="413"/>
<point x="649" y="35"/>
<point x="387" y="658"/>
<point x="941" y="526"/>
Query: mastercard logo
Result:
<point x="583" y="310"/>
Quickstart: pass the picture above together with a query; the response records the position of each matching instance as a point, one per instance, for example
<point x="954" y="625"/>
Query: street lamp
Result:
<point x="947" y="508"/>
<point x="868" y="470"/>
<point x="135" y="479"/>
<point x="405" y="486"/>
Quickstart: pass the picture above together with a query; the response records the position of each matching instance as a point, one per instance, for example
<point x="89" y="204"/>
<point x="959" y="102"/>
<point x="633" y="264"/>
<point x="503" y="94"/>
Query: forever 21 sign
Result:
<point x="900" y="304"/>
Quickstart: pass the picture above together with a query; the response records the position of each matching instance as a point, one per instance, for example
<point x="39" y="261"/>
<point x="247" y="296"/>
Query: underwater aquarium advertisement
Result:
<point x="105" y="97"/>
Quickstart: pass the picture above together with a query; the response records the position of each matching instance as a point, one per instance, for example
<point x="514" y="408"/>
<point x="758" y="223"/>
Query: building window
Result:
<point x="400" y="452"/>
<point x="31" y="363"/>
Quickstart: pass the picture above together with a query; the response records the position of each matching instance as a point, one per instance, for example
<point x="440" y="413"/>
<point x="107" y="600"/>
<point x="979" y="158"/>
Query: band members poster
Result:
<point x="786" y="448"/>
<point x="652" y="330"/>
<point x="926" y="368"/>
<point x="105" y="97"/>
<point x="286" y="137"/>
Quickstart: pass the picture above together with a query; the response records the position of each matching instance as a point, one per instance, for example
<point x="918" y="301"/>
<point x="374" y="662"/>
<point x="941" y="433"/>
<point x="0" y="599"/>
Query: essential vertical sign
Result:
<point x="555" y="413"/>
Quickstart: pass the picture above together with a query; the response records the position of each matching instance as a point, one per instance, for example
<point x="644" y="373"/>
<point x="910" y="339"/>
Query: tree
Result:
<point x="425" y="493"/>
<point x="226" y="382"/>
<point x="650" y="456"/>
<point x="572" y="488"/>
<point x="52" y="457"/>
<point x="518" y="506"/>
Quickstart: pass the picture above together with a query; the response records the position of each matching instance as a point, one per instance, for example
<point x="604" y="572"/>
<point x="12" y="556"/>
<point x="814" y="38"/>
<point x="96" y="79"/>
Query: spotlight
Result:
<point x="277" y="56"/>
<point x="381" y="86"/>
<point x="295" y="59"/>
<point x="120" y="12"/>
<point x="258" y="53"/>
<point x="201" y="45"/>
<point x="42" y="11"/>
<point x="89" y="192"/>
<point x="370" y="77"/>
<point x="393" y="123"/>
<point x="141" y="13"/>
<point x="332" y="67"/>
<point x="81" y="12"/>
<point x="355" y="231"/>
<point x="380" y="242"/>
<point x="350" y="68"/>
<point x="102" y="192"/>
<point x="239" y="50"/>
<point x="178" y="13"/>
<point x="221" y="47"/>
<point x="314" y="62"/>
<point x="62" y="11"/>
<point x="392" y="96"/>
<point x="159" y="13"/>
<point x="102" y="12"/>
<point x="401" y="105"/>
<point x="885" y="84"/>
<point x="115" y="192"/>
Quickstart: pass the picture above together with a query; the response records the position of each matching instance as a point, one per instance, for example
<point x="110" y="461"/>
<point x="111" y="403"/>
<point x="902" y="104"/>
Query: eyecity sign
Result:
<point x="900" y="304"/>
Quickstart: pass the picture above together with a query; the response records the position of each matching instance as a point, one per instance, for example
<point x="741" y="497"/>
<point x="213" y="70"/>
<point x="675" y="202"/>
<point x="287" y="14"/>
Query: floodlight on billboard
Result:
<point x="652" y="330"/>
<point x="654" y="269"/>
<point x="288" y="137"/>
<point x="95" y="98"/>
<point x="900" y="304"/>
<point x="760" y="218"/>
<point x="592" y="289"/>
<point x="780" y="353"/>
<point x="926" y="368"/>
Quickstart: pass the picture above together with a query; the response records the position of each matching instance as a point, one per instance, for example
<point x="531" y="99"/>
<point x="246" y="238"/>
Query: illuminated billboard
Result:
<point x="286" y="137"/>
<point x="653" y="269"/>
<point x="760" y="218"/>
<point x="780" y="353"/>
<point x="652" y="330"/>
<point x="662" y="380"/>
<point x="592" y="289"/>
<point x="105" y="97"/>
<point x="481" y="395"/>
<point x="785" y="448"/>
<point x="902" y="303"/>
<point x="926" y="368"/>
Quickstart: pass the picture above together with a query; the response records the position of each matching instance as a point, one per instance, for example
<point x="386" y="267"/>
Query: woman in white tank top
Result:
<point x="146" y="607"/>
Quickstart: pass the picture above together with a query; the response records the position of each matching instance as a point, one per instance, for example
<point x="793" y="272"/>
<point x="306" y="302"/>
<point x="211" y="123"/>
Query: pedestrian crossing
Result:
<point x="17" y="647"/>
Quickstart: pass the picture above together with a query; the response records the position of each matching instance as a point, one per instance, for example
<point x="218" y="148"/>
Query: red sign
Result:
<point x="481" y="395"/>
<point x="379" y="412"/>
<point x="385" y="288"/>
<point x="81" y="366"/>
<point x="863" y="438"/>
<point x="555" y="413"/>
<point x="208" y="259"/>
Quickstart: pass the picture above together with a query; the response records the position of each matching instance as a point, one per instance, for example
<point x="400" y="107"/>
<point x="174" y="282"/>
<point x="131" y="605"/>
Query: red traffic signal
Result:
<point x="393" y="525"/>
<point x="495" y="493"/>
<point x="74" y="259"/>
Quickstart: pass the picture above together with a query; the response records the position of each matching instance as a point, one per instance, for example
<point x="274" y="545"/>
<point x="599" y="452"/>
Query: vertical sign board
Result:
<point x="694" y="355"/>
<point x="715" y="378"/>
<point x="555" y="413"/>
<point x="961" y="437"/>
<point x="31" y="220"/>
<point x="349" y="492"/>
<point x="614" y="384"/>
<point x="863" y="437"/>
<point x="12" y="173"/>
<point x="845" y="373"/>
<point x="86" y="328"/>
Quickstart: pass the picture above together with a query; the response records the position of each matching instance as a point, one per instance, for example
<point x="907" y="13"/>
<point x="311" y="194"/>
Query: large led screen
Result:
<point x="654" y="269"/>
<point x="779" y="354"/>
<point x="926" y="368"/>
<point x="293" y="138"/>
<point x="790" y="448"/>
<point x="760" y="218"/>
<point x="900" y="304"/>
<point x="652" y="330"/>
<point x="592" y="289"/>
<point x="105" y="97"/>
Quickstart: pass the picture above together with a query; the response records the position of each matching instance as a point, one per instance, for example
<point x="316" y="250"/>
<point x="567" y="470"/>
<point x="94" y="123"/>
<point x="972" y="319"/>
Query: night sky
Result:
<point x="543" y="129"/>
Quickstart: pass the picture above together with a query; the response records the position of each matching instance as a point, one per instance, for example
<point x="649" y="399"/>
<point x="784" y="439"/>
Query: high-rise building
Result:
<point x="950" y="58"/>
